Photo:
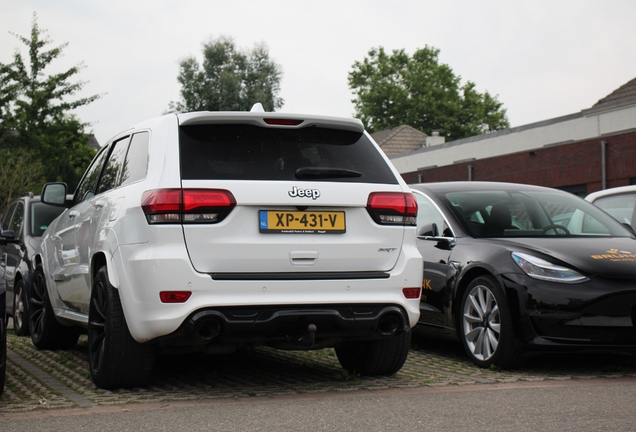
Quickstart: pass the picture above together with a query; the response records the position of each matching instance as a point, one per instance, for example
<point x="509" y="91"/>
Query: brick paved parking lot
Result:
<point x="39" y="380"/>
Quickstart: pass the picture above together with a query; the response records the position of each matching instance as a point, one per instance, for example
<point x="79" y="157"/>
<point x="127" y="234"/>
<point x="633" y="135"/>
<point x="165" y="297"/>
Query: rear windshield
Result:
<point x="246" y="152"/>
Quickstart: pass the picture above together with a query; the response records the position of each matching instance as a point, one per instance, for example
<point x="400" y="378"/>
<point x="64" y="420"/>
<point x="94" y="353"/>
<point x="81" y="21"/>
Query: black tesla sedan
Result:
<point x="510" y="267"/>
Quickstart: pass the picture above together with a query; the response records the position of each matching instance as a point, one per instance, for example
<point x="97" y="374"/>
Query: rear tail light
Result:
<point x="187" y="205"/>
<point x="412" y="293"/>
<point x="392" y="208"/>
<point x="174" y="296"/>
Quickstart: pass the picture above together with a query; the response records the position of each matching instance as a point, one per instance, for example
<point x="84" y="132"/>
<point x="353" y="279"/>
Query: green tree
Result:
<point x="36" y="125"/>
<point x="395" y="89"/>
<point x="20" y="171"/>
<point x="228" y="79"/>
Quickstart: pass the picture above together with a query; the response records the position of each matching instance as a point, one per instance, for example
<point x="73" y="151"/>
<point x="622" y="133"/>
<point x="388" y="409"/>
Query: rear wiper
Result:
<point x="323" y="172"/>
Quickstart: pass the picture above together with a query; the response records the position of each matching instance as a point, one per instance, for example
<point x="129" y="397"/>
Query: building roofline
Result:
<point x="494" y="134"/>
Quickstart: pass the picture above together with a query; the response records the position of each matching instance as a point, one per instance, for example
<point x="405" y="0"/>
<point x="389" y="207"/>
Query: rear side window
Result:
<point x="136" y="163"/>
<point x="246" y="152"/>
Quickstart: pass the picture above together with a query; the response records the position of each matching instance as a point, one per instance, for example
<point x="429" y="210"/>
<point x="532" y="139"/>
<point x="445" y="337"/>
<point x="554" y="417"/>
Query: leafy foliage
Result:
<point x="228" y="79"/>
<point x="396" y="89"/>
<point x="39" y="139"/>
<point x="20" y="171"/>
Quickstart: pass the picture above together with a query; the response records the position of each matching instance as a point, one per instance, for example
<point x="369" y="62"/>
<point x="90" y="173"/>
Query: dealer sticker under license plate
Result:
<point x="302" y="222"/>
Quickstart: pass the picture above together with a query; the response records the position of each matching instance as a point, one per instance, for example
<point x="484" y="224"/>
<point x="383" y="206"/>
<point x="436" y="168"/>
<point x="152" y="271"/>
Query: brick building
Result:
<point x="581" y="153"/>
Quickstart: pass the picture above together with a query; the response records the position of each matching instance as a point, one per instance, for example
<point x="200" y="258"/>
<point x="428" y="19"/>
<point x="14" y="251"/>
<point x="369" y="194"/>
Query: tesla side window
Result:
<point x="430" y="222"/>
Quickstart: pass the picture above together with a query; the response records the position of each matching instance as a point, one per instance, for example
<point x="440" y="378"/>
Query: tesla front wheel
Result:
<point x="485" y="325"/>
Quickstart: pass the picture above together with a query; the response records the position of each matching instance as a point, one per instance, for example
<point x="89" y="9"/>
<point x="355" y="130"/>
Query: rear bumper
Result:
<point x="288" y="327"/>
<point x="142" y="272"/>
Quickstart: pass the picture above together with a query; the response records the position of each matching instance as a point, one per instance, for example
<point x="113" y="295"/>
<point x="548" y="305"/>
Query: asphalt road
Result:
<point x="266" y="389"/>
<point x="584" y="405"/>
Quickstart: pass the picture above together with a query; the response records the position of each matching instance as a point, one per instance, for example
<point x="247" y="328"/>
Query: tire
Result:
<point x="46" y="331"/>
<point x="375" y="357"/>
<point x="485" y="324"/>
<point x="115" y="359"/>
<point x="20" y="310"/>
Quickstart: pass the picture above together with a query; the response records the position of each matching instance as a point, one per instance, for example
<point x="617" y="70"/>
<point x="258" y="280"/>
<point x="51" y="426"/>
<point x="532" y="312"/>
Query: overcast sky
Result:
<point x="543" y="59"/>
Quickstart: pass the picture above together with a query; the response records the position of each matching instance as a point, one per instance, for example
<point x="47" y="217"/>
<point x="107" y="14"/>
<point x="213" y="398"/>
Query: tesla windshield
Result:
<point x="519" y="213"/>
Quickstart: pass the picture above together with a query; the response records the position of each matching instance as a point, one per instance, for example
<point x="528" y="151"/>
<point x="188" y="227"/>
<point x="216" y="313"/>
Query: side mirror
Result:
<point x="429" y="230"/>
<point x="629" y="227"/>
<point x="54" y="194"/>
<point x="7" y="236"/>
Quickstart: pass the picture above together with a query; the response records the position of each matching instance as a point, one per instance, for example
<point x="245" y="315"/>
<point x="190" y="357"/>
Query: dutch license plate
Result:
<point x="302" y="222"/>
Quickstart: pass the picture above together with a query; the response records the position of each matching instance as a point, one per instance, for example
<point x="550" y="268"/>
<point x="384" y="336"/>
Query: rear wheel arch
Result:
<point x="115" y="358"/>
<point x="99" y="260"/>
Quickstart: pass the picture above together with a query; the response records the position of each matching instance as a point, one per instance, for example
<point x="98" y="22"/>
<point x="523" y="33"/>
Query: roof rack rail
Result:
<point x="28" y="194"/>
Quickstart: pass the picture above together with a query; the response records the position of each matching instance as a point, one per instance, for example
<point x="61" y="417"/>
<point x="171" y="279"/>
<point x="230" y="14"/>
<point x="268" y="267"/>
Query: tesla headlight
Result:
<point x="541" y="269"/>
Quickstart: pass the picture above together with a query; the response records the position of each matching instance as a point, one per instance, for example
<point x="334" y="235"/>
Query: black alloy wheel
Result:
<point x="46" y="331"/>
<point x="115" y="358"/>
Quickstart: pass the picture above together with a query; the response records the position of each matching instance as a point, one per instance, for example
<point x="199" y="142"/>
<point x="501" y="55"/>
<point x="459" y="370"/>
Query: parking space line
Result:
<point x="50" y="381"/>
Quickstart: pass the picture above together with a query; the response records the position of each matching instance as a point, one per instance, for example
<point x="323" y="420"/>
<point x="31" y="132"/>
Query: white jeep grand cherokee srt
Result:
<point x="214" y="230"/>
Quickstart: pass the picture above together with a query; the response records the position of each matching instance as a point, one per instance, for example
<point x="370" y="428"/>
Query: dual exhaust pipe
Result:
<point x="209" y="328"/>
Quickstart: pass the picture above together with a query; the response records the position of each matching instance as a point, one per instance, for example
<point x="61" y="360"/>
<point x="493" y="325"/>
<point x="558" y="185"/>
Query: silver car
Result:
<point x="619" y="202"/>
